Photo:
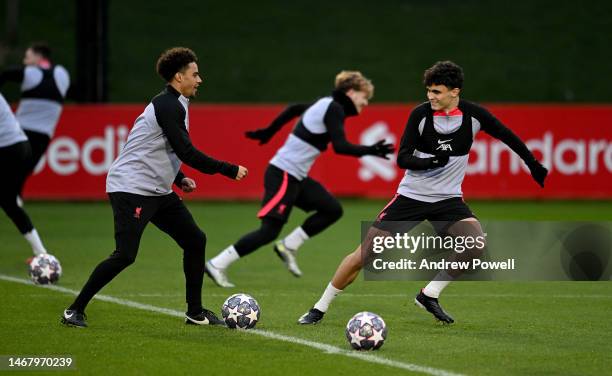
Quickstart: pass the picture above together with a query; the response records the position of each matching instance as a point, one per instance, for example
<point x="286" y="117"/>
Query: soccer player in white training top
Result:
<point x="139" y="187"/>
<point x="15" y="157"/>
<point x="286" y="180"/>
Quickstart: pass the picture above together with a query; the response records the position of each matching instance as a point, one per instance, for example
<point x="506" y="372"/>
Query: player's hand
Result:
<point x="382" y="149"/>
<point x="439" y="161"/>
<point x="538" y="172"/>
<point x="188" y="185"/>
<point x="242" y="172"/>
<point x="263" y="135"/>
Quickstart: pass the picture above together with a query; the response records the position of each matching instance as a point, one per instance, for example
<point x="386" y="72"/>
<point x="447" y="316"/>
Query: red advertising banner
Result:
<point x="574" y="142"/>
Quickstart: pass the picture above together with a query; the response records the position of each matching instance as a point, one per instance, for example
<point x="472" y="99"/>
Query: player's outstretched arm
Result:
<point x="492" y="126"/>
<point x="405" y="157"/>
<point x="265" y="134"/>
<point x="170" y="118"/>
<point x="334" y="121"/>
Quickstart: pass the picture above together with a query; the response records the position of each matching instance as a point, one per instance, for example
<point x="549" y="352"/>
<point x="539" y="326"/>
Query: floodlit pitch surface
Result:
<point x="135" y="328"/>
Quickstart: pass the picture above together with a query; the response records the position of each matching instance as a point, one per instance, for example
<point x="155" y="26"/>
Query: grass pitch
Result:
<point x="502" y="328"/>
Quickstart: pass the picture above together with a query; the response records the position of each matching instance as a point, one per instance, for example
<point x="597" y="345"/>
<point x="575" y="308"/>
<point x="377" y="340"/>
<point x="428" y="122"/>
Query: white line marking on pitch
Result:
<point x="264" y="333"/>
<point x="407" y="296"/>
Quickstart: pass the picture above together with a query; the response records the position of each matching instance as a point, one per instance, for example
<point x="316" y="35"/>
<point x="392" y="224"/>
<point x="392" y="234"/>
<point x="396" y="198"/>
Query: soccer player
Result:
<point x="139" y="186"/>
<point x="43" y="88"/>
<point x="434" y="152"/>
<point x="15" y="155"/>
<point x="286" y="179"/>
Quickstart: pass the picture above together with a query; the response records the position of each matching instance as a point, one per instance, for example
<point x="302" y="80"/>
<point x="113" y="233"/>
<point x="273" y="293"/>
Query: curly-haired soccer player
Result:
<point x="139" y="186"/>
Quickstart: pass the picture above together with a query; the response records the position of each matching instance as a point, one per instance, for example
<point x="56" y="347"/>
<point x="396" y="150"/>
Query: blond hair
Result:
<point x="347" y="80"/>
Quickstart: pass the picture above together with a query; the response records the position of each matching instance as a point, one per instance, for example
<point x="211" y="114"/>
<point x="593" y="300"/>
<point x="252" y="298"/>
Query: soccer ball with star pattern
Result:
<point x="240" y="311"/>
<point x="366" y="331"/>
<point x="44" y="269"/>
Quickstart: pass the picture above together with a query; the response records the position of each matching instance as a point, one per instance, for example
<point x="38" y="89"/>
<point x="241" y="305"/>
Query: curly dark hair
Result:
<point x="444" y="73"/>
<point x="174" y="60"/>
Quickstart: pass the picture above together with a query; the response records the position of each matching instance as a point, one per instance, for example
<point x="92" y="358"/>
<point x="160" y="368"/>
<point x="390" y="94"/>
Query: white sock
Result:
<point x="225" y="258"/>
<point x="435" y="287"/>
<point x="295" y="239"/>
<point x="35" y="242"/>
<point x="328" y="296"/>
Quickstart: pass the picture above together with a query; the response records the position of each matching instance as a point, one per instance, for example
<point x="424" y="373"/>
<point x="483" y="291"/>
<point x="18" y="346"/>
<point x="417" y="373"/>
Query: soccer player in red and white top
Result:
<point x="434" y="152"/>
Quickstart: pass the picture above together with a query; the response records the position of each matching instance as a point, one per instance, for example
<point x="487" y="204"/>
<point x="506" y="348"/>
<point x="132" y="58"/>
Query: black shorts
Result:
<point x="443" y="213"/>
<point x="283" y="191"/>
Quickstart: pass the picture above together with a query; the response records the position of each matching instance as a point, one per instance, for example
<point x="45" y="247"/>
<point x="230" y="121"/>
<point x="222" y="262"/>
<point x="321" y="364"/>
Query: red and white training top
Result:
<point x="430" y="133"/>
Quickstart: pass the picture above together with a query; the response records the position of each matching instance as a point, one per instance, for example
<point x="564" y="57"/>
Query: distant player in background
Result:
<point x="434" y="152"/>
<point x="43" y="88"/>
<point x="286" y="179"/>
<point x="15" y="158"/>
<point x="139" y="186"/>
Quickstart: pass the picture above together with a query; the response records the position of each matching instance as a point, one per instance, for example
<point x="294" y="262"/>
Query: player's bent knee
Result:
<point x="269" y="236"/>
<point x="195" y="242"/>
<point x="126" y="260"/>
<point x="123" y="258"/>
<point x="269" y="232"/>
<point x="199" y="237"/>
<point x="336" y="212"/>
<point x="8" y="205"/>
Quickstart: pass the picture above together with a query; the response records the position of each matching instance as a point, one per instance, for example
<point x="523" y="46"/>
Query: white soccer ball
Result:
<point x="45" y="269"/>
<point x="240" y="311"/>
<point x="366" y="331"/>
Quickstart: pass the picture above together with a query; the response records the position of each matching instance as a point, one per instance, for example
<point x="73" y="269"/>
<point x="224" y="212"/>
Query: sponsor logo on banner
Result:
<point x="579" y="158"/>
<point x="372" y="167"/>
<point x="567" y="156"/>
<point x="65" y="156"/>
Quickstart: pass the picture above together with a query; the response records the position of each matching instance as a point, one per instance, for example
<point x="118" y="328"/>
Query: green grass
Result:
<point x="505" y="328"/>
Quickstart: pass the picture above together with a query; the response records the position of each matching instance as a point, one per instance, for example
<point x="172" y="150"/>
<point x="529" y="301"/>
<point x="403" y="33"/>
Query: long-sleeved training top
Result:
<point x="430" y="133"/>
<point x="156" y="145"/>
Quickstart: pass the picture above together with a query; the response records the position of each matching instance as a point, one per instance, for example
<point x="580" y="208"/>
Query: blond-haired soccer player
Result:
<point x="286" y="179"/>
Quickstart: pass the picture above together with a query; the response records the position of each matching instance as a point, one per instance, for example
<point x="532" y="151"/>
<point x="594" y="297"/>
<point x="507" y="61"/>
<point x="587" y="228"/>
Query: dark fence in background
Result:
<point x="278" y="51"/>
